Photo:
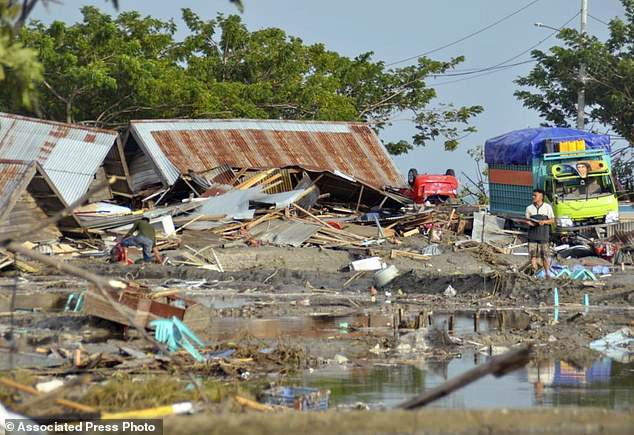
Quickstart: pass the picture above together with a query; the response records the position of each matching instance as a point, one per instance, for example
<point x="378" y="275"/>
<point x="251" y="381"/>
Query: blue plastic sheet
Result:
<point x="521" y="146"/>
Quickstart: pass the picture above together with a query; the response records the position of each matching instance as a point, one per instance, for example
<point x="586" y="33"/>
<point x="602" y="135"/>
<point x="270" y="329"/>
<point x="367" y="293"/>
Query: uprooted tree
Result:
<point x="105" y="70"/>
<point x="554" y="81"/>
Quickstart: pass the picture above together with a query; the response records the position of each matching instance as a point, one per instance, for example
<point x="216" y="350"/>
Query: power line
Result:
<point x="598" y="20"/>
<point x="476" y="71"/>
<point x="464" y="38"/>
<point x="503" y="65"/>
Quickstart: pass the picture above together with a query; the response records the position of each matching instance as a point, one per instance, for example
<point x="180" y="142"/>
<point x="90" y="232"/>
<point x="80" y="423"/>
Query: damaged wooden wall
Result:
<point x="24" y="215"/>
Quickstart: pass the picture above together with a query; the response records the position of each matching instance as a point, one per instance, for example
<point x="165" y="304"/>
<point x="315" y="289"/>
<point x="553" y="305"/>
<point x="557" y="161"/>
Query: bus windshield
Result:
<point x="584" y="188"/>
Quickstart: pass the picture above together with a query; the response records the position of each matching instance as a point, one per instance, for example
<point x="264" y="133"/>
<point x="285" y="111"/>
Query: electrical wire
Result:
<point x="464" y="38"/>
<point x="489" y="68"/>
<point x="598" y="20"/>
<point x="503" y="65"/>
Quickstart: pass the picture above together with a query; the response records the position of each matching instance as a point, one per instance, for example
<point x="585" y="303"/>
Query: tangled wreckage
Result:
<point x="259" y="222"/>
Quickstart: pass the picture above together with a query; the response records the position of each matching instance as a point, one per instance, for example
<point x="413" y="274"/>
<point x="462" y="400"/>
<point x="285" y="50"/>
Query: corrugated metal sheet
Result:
<point x="11" y="178"/>
<point x="69" y="154"/>
<point x="353" y="149"/>
<point x="284" y="233"/>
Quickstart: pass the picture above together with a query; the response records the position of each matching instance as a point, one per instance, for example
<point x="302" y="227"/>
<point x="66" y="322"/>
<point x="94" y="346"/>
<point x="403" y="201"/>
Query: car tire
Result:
<point x="411" y="176"/>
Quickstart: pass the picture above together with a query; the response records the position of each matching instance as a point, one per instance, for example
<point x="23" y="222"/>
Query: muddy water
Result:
<point x="549" y="383"/>
<point x="226" y="328"/>
<point x="457" y="323"/>
<point x="606" y="384"/>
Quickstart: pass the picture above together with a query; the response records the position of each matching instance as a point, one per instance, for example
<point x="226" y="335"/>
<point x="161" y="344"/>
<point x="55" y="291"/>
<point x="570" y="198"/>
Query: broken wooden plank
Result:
<point x="398" y="253"/>
<point x="255" y="179"/>
<point x="411" y="233"/>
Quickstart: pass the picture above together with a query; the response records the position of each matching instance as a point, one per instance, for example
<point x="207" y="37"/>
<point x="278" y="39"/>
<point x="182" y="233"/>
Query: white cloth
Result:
<point x="544" y="209"/>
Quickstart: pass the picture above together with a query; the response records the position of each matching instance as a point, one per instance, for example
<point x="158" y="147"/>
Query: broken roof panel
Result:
<point x="284" y="233"/>
<point x="70" y="155"/>
<point x="13" y="176"/>
<point x="178" y="146"/>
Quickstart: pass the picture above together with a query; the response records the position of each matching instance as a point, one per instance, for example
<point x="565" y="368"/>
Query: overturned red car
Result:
<point x="431" y="188"/>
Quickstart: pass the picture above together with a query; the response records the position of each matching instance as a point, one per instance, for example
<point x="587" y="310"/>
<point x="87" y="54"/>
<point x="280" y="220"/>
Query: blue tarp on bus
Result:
<point x="521" y="146"/>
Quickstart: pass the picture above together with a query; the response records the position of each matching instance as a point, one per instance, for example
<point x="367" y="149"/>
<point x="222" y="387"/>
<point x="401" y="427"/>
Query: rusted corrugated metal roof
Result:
<point x="12" y="178"/>
<point x="69" y="154"/>
<point x="353" y="149"/>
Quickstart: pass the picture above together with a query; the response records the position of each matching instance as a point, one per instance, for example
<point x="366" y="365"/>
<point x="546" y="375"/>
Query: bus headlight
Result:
<point x="564" y="221"/>
<point x="612" y="217"/>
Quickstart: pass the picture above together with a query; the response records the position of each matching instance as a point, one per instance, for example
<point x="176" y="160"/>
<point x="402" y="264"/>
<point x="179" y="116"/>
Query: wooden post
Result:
<point x="360" y="195"/>
<point x="476" y="321"/>
<point x="399" y="317"/>
<point x="501" y="320"/>
<point x="451" y="324"/>
<point x="421" y="320"/>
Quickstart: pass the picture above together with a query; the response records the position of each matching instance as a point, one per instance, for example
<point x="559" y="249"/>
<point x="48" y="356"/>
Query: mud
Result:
<point x="296" y="316"/>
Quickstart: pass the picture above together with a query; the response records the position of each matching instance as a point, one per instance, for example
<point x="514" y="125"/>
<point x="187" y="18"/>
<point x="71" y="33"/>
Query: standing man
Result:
<point x="539" y="216"/>
<point x="145" y="238"/>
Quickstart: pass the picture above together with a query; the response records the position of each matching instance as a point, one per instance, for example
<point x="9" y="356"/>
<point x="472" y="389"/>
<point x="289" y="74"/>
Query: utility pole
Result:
<point x="581" y="96"/>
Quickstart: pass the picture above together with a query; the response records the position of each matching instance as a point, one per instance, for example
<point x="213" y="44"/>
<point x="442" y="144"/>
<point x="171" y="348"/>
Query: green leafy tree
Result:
<point x="554" y="81"/>
<point x="105" y="71"/>
<point x="20" y="70"/>
<point x="267" y="74"/>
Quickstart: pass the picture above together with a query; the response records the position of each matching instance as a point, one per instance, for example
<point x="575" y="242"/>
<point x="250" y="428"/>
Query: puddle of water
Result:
<point x="606" y="384"/>
<point x="226" y="328"/>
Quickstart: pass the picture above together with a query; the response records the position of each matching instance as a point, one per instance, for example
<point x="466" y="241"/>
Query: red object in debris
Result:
<point x="432" y="188"/>
<point x="605" y="250"/>
<point x="336" y="225"/>
<point x="119" y="254"/>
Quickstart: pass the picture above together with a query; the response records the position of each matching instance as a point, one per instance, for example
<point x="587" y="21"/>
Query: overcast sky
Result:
<point x="397" y="30"/>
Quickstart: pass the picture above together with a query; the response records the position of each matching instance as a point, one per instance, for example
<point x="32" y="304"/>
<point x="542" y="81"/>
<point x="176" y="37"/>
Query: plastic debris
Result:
<point x="176" y="335"/>
<point x="385" y="276"/>
<point x="47" y="387"/>
<point x="340" y="359"/>
<point x="298" y="398"/>
<point x="450" y="292"/>
<point x="432" y="249"/>
<point x="618" y="345"/>
<point x="368" y="264"/>
<point x="222" y="354"/>
<point x="75" y="302"/>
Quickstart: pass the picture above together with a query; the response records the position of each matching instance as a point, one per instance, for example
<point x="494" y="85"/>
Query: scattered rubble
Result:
<point x="269" y="266"/>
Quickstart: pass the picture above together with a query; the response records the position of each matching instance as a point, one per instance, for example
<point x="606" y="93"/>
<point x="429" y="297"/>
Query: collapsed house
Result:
<point x="346" y="160"/>
<point x="46" y="166"/>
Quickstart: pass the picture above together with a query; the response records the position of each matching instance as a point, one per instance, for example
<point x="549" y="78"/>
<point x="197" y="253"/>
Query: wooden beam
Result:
<point x="126" y="195"/>
<point x="255" y="179"/>
<point x="238" y="175"/>
<point x="190" y="186"/>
